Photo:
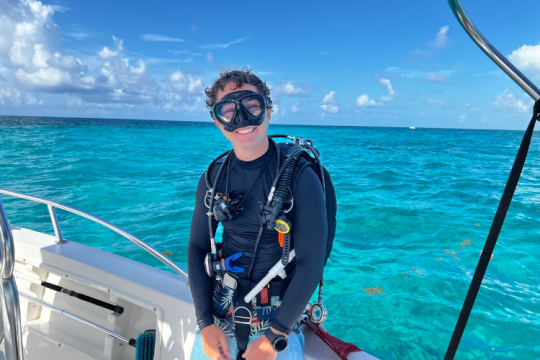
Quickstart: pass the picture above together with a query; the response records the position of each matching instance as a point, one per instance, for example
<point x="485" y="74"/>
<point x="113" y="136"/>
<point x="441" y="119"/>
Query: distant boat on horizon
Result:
<point x="412" y="127"/>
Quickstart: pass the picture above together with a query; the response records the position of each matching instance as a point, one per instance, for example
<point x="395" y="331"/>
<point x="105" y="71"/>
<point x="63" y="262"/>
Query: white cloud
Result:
<point x="435" y="77"/>
<point x="510" y="103"/>
<point x="10" y="96"/>
<point x="440" y="103"/>
<point x="287" y="88"/>
<point x="160" y="38"/>
<point x="391" y="93"/>
<point x="441" y="40"/>
<point x="222" y="46"/>
<point x="527" y="58"/>
<point x="31" y="101"/>
<point x="329" y="103"/>
<point x="31" y="57"/>
<point x="186" y="84"/>
<point x="59" y="8"/>
<point x="365" y="101"/>
<point x="296" y="107"/>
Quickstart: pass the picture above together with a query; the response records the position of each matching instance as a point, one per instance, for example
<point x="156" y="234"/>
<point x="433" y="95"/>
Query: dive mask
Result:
<point x="240" y="109"/>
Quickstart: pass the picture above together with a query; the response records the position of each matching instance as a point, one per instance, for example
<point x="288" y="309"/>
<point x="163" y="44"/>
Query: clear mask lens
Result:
<point x="253" y="105"/>
<point x="225" y="111"/>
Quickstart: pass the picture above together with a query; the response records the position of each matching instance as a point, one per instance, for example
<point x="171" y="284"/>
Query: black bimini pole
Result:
<point x="487" y="253"/>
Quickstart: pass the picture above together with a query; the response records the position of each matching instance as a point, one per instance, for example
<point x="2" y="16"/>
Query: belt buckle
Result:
<point x="238" y="319"/>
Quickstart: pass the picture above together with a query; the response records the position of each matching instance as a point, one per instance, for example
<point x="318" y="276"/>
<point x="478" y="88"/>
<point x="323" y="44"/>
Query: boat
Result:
<point x="412" y="127"/>
<point x="62" y="300"/>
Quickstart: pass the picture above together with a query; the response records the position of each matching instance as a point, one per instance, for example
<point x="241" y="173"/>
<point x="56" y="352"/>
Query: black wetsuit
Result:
<point x="239" y="235"/>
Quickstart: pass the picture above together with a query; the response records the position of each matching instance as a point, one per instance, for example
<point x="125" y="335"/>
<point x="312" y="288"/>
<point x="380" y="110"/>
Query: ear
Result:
<point x="269" y="112"/>
<point x="218" y="124"/>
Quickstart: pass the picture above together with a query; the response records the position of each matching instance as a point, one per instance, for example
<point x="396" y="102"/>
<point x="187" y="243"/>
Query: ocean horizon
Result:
<point x="11" y="120"/>
<point x="414" y="211"/>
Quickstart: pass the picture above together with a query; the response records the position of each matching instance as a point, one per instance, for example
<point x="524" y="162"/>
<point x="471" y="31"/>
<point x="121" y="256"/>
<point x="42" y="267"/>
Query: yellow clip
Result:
<point x="282" y="227"/>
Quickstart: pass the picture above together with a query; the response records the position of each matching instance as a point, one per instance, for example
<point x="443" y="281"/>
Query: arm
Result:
<point x="201" y="285"/>
<point x="309" y="234"/>
<point x="310" y="228"/>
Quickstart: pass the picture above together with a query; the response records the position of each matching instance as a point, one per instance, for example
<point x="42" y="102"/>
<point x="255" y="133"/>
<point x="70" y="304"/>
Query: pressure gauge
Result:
<point x="318" y="313"/>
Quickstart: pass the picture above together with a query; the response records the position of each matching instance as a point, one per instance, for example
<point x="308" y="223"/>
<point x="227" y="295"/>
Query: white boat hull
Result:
<point x="152" y="299"/>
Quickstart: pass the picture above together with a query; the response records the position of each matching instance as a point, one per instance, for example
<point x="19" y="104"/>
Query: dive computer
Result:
<point x="279" y="342"/>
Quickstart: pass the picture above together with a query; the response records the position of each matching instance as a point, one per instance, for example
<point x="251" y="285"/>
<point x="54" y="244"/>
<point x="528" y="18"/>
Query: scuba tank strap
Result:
<point x="242" y="317"/>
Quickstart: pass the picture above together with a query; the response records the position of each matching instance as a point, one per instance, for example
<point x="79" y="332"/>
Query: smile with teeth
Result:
<point x="246" y="131"/>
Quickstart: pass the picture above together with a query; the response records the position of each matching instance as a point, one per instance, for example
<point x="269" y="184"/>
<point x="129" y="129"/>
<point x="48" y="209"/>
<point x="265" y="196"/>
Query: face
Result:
<point x="244" y="137"/>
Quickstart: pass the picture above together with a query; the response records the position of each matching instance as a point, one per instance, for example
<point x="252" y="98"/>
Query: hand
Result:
<point x="215" y="343"/>
<point x="260" y="349"/>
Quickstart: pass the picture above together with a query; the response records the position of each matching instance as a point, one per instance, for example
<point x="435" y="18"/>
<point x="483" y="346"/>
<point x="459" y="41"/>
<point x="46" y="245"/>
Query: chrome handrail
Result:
<point x="53" y="204"/>
<point x="11" y="313"/>
<point x="71" y="316"/>
<point x="491" y="51"/>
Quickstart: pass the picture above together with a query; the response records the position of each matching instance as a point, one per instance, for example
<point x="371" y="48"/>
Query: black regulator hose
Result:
<point x="281" y="189"/>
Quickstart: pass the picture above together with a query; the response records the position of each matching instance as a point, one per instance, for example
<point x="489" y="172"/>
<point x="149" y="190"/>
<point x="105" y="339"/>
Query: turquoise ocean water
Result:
<point x="415" y="208"/>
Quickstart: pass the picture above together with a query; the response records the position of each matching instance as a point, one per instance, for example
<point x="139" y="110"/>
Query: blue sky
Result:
<point x="367" y="63"/>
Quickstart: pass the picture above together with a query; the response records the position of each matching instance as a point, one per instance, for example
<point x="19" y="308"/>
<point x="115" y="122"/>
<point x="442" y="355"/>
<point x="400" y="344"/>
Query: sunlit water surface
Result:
<point x="415" y="207"/>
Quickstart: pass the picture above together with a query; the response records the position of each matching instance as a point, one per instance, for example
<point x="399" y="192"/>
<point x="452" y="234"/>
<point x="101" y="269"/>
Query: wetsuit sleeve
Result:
<point x="201" y="285"/>
<point x="309" y="233"/>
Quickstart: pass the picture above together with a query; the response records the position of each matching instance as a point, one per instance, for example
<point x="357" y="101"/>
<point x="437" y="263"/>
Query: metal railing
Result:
<point x="491" y="51"/>
<point x="10" y="331"/>
<point x="60" y="240"/>
<point x="11" y="313"/>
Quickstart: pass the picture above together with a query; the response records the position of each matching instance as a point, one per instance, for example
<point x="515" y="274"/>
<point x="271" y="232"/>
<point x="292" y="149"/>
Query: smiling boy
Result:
<point x="240" y="105"/>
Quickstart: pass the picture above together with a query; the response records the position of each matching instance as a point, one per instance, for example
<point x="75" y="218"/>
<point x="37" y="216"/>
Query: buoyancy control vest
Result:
<point x="277" y="212"/>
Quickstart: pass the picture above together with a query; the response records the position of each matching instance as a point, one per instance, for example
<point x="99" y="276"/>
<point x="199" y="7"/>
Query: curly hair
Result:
<point x="239" y="78"/>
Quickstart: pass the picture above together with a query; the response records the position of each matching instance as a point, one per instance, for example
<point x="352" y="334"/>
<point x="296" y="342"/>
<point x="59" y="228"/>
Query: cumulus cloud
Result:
<point x="365" y="101"/>
<point x="157" y="37"/>
<point x="10" y="96"/>
<point x="435" y="77"/>
<point x="107" y="53"/>
<point x="287" y="88"/>
<point x="329" y="103"/>
<point x="441" y="40"/>
<point x="527" y="58"/>
<point x="31" y="58"/>
<point x="186" y="84"/>
<point x="296" y="107"/>
<point x="510" y="103"/>
<point x="222" y="46"/>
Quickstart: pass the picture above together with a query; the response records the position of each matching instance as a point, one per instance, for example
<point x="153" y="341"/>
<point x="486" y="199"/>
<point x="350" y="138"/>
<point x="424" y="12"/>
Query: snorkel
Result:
<point x="240" y="109"/>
